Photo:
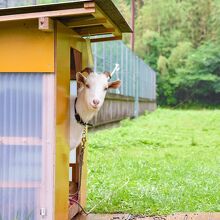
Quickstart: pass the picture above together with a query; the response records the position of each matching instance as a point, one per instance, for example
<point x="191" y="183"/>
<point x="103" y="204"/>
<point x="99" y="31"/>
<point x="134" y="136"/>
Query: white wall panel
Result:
<point x="26" y="145"/>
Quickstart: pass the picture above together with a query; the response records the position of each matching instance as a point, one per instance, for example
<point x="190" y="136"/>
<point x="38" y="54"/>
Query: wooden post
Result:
<point x="132" y="23"/>
<point x="46" y="24"/>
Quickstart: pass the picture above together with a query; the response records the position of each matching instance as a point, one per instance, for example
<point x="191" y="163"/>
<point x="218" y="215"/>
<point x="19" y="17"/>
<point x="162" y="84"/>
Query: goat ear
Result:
<point x="107" y="74"/>
<point x="80" y="78"/>
<point x="114" y="85"/>
<point x="87" y="70"/>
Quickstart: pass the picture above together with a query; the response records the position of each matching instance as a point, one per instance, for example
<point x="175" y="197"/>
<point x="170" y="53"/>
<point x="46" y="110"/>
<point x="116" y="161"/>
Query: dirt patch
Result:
<point x="179" y="216"/>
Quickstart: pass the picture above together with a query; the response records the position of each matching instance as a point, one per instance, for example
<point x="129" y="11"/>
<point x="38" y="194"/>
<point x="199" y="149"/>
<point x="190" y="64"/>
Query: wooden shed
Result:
<point x="41" y="49"/>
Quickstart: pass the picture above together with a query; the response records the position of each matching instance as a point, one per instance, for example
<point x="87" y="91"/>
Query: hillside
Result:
<point x="180" y="40"/>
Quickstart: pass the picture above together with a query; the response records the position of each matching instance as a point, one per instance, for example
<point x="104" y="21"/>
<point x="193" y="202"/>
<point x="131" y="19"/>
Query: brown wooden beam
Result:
<point x="46" y="24"/>
<point x="57" y="13"/>
<point x="106" y="39"/>
<point x="73" y="210"/>
<point x="85" y="23"/>
<point x="94" y="31"/>
<point x="89" y="5"/>
<point x="109" y="24"/>
<point x="75" y="172"/>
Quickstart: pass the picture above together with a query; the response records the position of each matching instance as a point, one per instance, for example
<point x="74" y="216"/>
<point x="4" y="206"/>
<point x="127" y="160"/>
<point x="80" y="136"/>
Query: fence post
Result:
<point x="103" y="56"/>
<point x="95" y="56"/>
<point x="136" y="102"/>
<point x="122" y="69"/>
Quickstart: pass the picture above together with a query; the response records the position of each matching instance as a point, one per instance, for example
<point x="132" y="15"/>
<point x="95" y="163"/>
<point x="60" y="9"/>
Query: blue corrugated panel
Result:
<point x="20" y="146"/>
<point x="107" y="54"/>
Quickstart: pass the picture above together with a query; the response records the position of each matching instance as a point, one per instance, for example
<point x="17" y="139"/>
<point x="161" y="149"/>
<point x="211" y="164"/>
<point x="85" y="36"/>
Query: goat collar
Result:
<point x="79" y="119"/>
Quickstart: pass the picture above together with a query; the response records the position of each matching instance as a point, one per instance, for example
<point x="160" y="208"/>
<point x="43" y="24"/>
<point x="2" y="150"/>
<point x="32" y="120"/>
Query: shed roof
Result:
<point x="87" y="17"/>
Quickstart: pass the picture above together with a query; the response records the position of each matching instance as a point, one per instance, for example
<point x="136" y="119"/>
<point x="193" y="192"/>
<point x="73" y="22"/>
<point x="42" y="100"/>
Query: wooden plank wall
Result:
<point x="117" y="107"/>
<point x="146" y="105"/>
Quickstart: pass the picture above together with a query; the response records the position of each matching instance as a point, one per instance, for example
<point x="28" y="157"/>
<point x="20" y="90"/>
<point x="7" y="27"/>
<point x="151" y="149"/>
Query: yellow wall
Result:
<point x="64" y="41"/>
<point x="29" y="49"/>
<point x="24" y="48"/>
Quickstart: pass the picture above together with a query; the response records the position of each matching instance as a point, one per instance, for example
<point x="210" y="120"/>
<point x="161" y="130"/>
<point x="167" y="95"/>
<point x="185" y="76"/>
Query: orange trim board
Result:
<point x="24" y="48"/>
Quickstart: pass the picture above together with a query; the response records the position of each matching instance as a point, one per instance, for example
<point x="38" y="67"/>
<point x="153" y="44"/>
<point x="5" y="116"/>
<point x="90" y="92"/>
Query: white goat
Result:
<point x="90" y="98"/>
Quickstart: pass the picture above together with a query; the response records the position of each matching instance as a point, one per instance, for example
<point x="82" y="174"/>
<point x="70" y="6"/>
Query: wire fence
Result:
<point x="138" y="79"/>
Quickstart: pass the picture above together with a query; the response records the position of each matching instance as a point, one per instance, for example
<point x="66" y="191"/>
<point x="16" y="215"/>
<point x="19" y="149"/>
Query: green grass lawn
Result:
<point x="164" y="162"/>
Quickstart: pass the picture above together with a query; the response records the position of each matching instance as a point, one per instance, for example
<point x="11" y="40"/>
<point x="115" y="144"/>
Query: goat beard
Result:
<point x="90" y="108"/>
<point x="87" y="113"/>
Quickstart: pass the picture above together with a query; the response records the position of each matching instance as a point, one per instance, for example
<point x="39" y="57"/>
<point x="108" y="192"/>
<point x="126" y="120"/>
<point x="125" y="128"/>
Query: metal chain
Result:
<point x="81" y="157"/>
<point x="82" y="150"/>
<point x="83" y="143"/>
<point x="83" y="146"/>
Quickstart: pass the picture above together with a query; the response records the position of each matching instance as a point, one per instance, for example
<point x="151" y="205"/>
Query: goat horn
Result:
<point x="117" y="68"/>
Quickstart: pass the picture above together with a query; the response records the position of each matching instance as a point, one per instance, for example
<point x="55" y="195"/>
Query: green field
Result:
<point x="164" y="162"/>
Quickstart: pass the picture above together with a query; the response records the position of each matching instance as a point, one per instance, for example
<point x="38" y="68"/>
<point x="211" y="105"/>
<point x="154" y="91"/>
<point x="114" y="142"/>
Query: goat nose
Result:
<point x="96" y="101"/>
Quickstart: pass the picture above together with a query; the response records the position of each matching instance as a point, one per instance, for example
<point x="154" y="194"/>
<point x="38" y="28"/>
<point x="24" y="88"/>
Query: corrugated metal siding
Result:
<point x="21" y="96"/>
<point x="132" y="69"/>
<point x="26" y="141"/>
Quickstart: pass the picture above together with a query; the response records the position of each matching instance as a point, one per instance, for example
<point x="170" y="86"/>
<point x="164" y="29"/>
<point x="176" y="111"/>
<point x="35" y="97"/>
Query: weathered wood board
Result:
<point x="117" y="107"/>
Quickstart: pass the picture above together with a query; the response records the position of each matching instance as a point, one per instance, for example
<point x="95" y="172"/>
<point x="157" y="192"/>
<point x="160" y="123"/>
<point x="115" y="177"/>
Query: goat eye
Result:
<point x="106" y="88"/>
<point x="87" y="86"/>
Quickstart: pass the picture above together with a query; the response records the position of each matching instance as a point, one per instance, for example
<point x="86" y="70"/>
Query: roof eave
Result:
<point x="105" y="9"/>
